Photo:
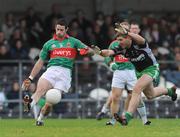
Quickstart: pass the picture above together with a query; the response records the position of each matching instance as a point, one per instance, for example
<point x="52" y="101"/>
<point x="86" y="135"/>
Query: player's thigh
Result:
<point x="43" y="85"/>
<point x="142" y="83"/>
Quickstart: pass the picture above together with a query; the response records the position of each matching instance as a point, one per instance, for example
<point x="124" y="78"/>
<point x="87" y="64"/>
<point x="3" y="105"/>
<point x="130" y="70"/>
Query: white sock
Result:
<point x="142" y="112"/>
<point x="33" y="103"/>
<point x="36" y="111"/>
<point x="40" y="118"/>
<point x="105" y="109"/>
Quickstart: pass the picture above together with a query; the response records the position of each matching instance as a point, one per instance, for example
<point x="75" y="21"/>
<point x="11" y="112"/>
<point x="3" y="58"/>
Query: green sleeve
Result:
<point x="107" y="60"/>
<point x="114" y="44"/>
<point x="44" y="52"/>
<point x="79" y="44"/>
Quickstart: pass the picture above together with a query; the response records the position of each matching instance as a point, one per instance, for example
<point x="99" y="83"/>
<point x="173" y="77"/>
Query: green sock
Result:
<point x="128" y="116"/>
<point x="170" y="92"/>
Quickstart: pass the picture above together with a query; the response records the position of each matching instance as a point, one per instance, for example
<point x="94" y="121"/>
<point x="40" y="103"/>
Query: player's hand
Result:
<point x="96" y="49"/>
<point x="121" y="29"/>
<point x="113" y="66"/>
<point x="26" y="84"/>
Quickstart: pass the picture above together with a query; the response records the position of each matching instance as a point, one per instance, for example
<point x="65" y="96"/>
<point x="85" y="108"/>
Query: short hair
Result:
<point x="62" y="22"/>
<point x="134" y="23"/>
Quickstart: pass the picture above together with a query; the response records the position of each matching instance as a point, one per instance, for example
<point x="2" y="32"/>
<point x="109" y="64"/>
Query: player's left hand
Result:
<point x="26" y="84"/>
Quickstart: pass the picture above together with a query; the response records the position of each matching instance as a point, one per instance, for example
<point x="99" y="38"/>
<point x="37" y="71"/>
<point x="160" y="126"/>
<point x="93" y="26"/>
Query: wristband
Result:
<point x="30" y="78"/>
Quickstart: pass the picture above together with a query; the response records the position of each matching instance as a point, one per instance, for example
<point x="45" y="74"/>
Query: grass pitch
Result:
<point x="88" y="128"/>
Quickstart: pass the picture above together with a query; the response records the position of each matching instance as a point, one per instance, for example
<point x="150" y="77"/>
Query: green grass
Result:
<point x="88" y="128"/>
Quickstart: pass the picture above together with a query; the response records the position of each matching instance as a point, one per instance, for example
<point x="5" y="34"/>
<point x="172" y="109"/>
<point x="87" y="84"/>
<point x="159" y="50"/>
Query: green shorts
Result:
<point x="152" y="71"/>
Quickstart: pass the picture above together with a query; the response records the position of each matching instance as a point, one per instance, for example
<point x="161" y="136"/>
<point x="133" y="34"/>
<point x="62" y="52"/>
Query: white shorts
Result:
<point x="59" y="77"/>
<point x="122" y="78"/>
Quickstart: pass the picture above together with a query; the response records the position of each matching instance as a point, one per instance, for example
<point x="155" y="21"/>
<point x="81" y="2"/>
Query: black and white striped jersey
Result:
<point x="140" y="56"/>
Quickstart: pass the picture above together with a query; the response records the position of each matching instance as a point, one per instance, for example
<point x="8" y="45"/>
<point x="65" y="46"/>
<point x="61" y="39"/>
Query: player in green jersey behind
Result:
<point x="61" y="51"/>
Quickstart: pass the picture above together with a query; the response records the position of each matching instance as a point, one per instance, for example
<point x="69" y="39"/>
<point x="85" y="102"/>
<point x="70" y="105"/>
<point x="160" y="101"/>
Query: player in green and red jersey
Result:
<point x="61" y="51"/>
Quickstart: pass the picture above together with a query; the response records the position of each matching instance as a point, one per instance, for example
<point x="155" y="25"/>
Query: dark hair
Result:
<point x="62" y="22"/>
<point x="134" y="22"/>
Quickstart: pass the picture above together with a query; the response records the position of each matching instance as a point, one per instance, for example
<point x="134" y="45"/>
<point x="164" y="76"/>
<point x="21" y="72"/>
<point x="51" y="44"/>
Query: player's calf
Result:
<point x="46" y="109"/>
<point x="44" y="112"/>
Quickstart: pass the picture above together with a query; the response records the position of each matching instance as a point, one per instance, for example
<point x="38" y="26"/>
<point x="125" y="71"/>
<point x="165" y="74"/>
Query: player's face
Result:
<point x="135" y="28"/>
<point x="60" y="31"/>
<point x="125" y="42"/>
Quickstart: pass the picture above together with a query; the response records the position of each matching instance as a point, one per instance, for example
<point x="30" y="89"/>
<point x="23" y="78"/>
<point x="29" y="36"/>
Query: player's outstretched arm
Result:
<point x="90" y="52"/>
<point x="104" y="52"/>
<point x="37" y="67"/>
<point x="107" y="52"/>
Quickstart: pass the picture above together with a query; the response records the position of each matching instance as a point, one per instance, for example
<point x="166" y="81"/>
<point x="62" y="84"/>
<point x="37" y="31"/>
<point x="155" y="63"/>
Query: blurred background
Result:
<point x="25" y="25"/>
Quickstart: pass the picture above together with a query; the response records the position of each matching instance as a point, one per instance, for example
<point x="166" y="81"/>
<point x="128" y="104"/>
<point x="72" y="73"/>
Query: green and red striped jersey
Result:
<point x="61" y="52"/>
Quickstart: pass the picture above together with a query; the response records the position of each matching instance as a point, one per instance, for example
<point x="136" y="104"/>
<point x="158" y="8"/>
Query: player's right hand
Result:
<point x="26" y="84"/>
